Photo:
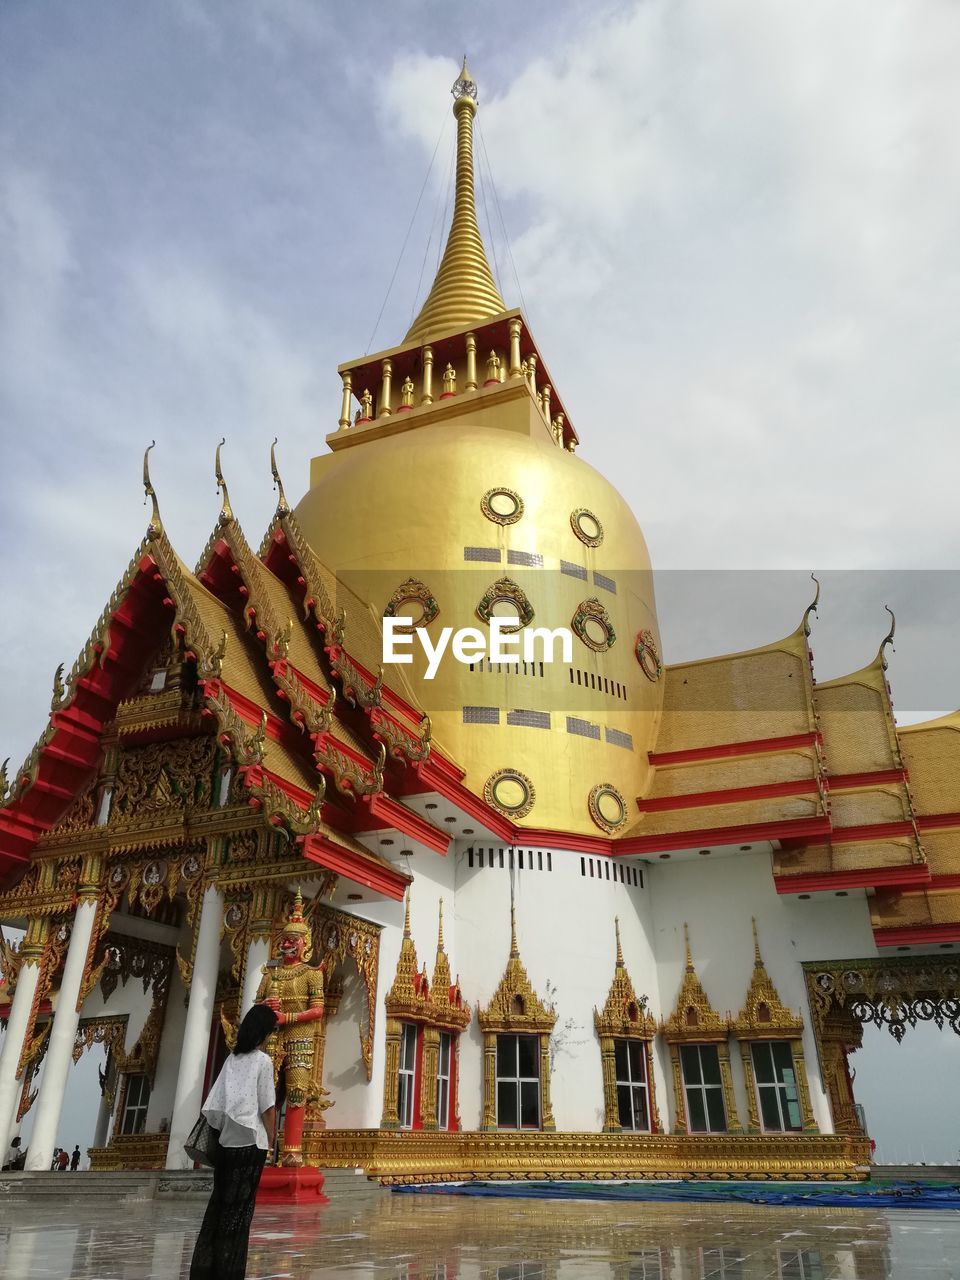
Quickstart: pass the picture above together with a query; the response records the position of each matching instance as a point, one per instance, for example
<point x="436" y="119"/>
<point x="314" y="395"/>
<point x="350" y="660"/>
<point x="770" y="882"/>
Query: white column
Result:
<point x="59" y="1057"/>
<point x="103" y="1119"/>
<point x="258" y="953"/>
<point x="196" y="1032"/>
<point x="18" y="1029"/>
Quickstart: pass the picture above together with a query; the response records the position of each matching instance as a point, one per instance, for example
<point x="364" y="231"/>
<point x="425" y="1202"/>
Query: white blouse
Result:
<point x="241" y="1093"/>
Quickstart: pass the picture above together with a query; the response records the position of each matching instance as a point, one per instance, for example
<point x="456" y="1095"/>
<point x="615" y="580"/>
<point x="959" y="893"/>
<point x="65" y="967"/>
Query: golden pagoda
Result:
<point x="232" y="735"/>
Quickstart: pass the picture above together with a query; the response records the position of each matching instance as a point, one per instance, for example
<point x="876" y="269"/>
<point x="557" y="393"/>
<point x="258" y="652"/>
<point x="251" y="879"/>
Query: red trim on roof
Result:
<point x="732" y="795"/>
<point x="862" y="878"/>
<point x="872" y="831"/>
<point x="724" y="750"/>
<point x="852" y="781"/>
<point x="436" y="775"/>
<point x="917" y="936"/>
<point x="391" y="813"/>
<point x="749" y="833"/>
<point x="321" y="850"/>
<point x="937" y="821"/>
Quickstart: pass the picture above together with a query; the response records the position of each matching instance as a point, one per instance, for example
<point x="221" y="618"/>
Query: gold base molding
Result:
<point x="408" y="1157"/>
<point x="130" y="1151"/>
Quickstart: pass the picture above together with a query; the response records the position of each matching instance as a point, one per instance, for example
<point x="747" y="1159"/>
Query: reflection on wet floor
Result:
<point x="449" y="1238"/>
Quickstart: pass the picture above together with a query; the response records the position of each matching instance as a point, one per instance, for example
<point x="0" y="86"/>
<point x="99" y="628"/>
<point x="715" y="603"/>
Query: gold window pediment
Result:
<point x="515" y="1006"/>
<point x="625" y="1014"/>
<point x="764" y="1015"/>
<point x="694" y="1018"/>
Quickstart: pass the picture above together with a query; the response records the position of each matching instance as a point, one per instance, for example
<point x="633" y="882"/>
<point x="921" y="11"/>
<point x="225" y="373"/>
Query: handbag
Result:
<point x="203" y="1142"/>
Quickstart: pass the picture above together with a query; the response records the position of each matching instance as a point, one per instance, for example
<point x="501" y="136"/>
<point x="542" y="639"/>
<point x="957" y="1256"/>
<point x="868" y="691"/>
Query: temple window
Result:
<point x="444" y="1069"/>
<point x="771" y="1046"/>
<point x="703" y="1088"/>
<point x="516" y="1026"/>
<point x="134" y="1118"/>
<point x="518" y="1082"/>
<point x="626" y="1030"/>
<point x="699" y="1040"/>
<point x="633" y="1099"/>
<point x="424" y="1021"/>
<point x="777" y="1090"/>
<point x="406" y="1074"/>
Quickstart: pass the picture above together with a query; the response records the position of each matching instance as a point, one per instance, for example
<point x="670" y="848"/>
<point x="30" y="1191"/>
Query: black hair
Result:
<point x="257" y="1024"/>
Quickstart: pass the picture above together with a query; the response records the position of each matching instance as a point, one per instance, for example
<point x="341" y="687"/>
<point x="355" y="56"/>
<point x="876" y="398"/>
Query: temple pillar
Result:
<point x="384" y="409"/>
<point x="258" y="953"/>
<point x="471" y="383"/>
<point x="103" y="1121"/>
<point x="19" y="1027"/>
<point x="345" y="406"/>
<point x="514" y="370"/>
<point x="427" y="396"/>
<point x="196" y="1032"/>
<point x="63" y="1034"/>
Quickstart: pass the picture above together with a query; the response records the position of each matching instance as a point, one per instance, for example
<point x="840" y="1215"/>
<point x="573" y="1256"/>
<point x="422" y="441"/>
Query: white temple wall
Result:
<point x="565" y="931"/>
<point x="717" y="899"/>
<point x="359" y="1102"/>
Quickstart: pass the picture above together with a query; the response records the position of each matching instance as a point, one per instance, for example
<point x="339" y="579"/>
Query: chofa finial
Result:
<point x="155" y="527"/>
<point x="282" y="507"/>
<point x="226" y="511"/>
<point x="888" y="638"/>
<point x="812" y="606"/>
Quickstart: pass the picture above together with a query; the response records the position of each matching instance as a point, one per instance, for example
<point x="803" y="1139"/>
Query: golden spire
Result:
<point x="406" y="917"/>
<point x="464" y="290"/>
<point x="226" y="511"/>
<point x="757" y="958"/>
<point x="283" y="508"/>
<point x="155" y="527"/>
<point x="440" y="930"/>
<point x="514" y="949"/>
<point x="616" y="925"/>
<point x="686" y="943"/>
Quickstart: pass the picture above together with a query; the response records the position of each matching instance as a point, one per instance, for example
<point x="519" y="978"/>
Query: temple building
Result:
<point x="595" y="916"/>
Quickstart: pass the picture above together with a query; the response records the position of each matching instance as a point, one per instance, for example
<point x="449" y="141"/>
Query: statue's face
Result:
<point x="292" y="947"/>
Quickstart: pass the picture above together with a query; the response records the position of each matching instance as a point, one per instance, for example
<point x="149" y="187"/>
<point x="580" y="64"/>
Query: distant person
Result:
<point x="63" y="1160"/>
<point x="55" y="1162"/>
<point x="12" y="1155"/>
<point x="75" y="1159"/>
<point x="242" y="1106"/>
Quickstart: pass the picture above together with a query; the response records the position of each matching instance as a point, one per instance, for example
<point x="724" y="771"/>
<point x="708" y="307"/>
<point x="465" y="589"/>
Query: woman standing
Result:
<point x="242" y="1105"/>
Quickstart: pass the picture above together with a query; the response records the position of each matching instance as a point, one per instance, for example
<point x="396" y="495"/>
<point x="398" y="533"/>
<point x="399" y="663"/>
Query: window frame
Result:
<point x="634" y="1086"/>
<point x="704" y="1088"/>
<point x="408" y="1075"/>
<point x="777" y="1087"/>
<point x="518" y="1080"/>
<point x="444" y="1114"/>
<point x="137" y="1109"/>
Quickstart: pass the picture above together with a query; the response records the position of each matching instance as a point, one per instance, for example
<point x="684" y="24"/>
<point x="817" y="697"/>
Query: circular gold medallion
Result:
<point x="607" y="807"/>
<point x="648" y="656"/>
<point x="502" y="506"/>
<point x="510" y="792"/>
<point x="586" y="526"/>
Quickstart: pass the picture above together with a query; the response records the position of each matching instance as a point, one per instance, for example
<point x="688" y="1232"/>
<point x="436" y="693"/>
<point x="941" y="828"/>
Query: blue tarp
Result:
<point x="857" y="1195"/>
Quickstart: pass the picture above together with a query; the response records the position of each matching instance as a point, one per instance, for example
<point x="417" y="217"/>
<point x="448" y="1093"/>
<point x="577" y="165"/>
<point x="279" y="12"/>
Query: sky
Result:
<point x="731" y="226"/>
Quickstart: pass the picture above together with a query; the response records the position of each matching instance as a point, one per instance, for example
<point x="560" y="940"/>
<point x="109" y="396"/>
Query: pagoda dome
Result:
<point x="434" y="506"/>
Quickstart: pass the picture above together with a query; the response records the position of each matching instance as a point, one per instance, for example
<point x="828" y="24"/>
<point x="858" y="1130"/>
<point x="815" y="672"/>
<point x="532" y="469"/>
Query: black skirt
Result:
<point x="221" y="1249"/>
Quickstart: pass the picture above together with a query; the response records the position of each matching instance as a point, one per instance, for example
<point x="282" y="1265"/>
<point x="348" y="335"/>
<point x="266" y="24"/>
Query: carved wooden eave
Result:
<point x="694" y="1018"/>
<point x="625" y="1014"/>
<point x="228" y="543"/>
<point x="515" y="1006"/>
<point x="764" y="1016"/>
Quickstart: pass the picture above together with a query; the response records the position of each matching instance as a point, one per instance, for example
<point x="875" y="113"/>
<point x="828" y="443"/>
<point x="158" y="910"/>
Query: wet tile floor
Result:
<point x="447" y="1237"/>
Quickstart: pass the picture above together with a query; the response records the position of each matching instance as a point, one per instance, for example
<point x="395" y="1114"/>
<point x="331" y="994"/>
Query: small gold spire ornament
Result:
<point x="226" y="511"/>
<point x="155" y="527"/>
<point x="282" y="507"/>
